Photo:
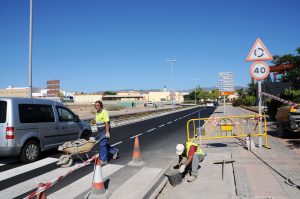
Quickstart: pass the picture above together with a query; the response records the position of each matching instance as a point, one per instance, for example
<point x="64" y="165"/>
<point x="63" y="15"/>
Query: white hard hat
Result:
<point x="179" y="149"/>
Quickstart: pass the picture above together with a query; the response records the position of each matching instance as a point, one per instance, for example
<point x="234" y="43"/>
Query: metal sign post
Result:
<point x="259" y="70"/>
<point x="259" y="112"/>
<point x="224" y="104"/>
<point x="226" y="85"/>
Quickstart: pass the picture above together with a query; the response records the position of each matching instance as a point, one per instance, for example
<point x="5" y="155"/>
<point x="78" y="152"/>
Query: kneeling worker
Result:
<point x="194" y="155"/>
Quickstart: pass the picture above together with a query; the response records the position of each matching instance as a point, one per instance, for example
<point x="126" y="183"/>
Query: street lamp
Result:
<point x="30" y="51"/>
<point x="196" y="90"/>
<point x="172" y="61"/>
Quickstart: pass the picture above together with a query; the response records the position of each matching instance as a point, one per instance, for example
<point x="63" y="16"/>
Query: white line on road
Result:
<point x="161" y="125"/>
<point x="138" y="185"/>
<point x="81" y="185"/>
<point x="116" y="143"/>
<point x="175" y="120"/>
<point x="136" y="135"/>
<point x="169" y="122"/>
<point x="30" y="184"/>
<point x="151" y="130"/>
<point x="28" y="167"/>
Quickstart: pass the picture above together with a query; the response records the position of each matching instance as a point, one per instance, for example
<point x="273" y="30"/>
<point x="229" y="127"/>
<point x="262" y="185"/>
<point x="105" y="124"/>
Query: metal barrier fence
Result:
<point x="227" y="127"/>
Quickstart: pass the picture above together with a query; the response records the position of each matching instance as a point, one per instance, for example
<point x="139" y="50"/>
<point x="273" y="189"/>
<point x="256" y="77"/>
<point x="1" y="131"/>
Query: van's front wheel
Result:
<point x="30" y="152"/>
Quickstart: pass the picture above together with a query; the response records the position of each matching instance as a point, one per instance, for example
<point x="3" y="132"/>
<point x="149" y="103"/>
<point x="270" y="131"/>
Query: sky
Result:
<point x="98" y="45"/>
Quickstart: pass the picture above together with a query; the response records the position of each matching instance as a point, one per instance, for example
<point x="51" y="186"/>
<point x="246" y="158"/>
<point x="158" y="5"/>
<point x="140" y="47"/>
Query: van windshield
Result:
<point x="3" y="106"/>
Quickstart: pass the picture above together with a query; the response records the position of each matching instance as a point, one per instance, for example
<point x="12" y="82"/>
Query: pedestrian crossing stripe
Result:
<point x="138" y="184"/>
<point x="83" y="184"/>
<point x="28" y="167"/>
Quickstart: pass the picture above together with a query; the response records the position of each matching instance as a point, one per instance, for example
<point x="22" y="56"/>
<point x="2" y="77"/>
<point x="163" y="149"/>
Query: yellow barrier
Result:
<point x="227" y="127"/>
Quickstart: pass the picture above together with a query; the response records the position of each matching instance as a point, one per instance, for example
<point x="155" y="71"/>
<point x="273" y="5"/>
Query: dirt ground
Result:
<point x="88" y="110"/>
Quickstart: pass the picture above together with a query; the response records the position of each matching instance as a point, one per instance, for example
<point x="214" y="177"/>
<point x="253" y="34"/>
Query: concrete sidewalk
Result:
<point x="257" y="174"/>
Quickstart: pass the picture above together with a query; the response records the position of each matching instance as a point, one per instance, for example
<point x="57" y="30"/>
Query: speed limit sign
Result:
<point x="259" y="70"/>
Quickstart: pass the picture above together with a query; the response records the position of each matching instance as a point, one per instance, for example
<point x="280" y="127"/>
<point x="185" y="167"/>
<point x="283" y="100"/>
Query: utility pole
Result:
<point x="173" y="96"/>
<point x="30" y="50"/>
<point x="196" y="79"/>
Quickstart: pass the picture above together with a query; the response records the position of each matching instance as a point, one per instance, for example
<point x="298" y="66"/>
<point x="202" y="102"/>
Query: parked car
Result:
<point x="29" y="126"/>
<point x="216" y="103"/>
<point x="288" y="119"/>
<point x="210" y="104"/>
<point x="149" y="104"/>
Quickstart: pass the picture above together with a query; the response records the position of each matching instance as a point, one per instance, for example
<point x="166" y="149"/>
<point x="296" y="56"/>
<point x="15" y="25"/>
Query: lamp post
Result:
<point x="30" y="50"/>
<point x="196" y="90"/>
<point x="172" y="61"/>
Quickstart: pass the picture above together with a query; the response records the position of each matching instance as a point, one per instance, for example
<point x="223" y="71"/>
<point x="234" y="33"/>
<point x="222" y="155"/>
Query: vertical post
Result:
<point x="259" y="112"/>
<point x="199" y="126"/>
<point x="199" y="122"/>
<point x="195" y="96"/>
<point x="224" y="103"/>
<point x="173" y="88"/>
<point x="173" y="96"/>
<point x="30" y="51"/>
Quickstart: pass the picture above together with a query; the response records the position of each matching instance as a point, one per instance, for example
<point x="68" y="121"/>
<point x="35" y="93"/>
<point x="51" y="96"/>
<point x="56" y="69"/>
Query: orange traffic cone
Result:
<point x="41" y="195"/>
<point x="98" y="189"/>
<point x="136" y="157"/>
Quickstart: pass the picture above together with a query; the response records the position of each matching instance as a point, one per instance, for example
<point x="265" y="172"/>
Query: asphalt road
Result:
<point x="157" y="136"/>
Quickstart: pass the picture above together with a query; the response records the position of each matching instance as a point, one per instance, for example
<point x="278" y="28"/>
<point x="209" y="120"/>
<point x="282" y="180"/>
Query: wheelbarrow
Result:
<point x="73" y="148"/>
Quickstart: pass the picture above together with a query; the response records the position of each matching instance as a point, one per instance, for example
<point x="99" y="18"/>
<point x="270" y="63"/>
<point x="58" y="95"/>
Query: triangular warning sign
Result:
<point x="259" y="52"/>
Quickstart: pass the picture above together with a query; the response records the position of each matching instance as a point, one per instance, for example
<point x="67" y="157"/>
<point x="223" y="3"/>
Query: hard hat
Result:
<point x="179" y="149"/>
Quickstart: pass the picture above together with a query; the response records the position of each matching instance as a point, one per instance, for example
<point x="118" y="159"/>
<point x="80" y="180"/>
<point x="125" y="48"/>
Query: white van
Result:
<point x="29" y="126"/>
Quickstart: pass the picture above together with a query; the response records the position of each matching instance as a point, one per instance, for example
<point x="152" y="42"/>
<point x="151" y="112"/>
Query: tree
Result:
<point x="240" y="92"/>
<point x="293" y="75"/>
<point x="251" y="90"/>
<point x="203" y="94"/>
<point x="109" y="93"/>
<point x="214" y="94"/>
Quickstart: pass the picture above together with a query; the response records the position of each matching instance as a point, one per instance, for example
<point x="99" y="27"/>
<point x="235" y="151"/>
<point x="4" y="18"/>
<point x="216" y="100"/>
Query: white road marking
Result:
<point x="169" y="122"/>
<point x="175" y="120"/>
<point x="32" y="183"/>
<point x="116" y="143"/>
<point x="136" y="135"/>
<point x="28" y="167"/>
<point x="81" y="185"/>
<point x="151" y="130"/>
<point x="161" y="125"/>
<point x="138" y="185"/>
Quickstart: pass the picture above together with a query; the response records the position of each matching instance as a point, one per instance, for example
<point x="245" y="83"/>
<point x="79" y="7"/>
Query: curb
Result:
<point x="156" y="192"/>
<point x="160" y="184"/>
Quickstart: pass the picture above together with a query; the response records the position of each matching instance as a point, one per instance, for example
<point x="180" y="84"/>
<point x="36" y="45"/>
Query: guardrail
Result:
<point x="227" y="127"/>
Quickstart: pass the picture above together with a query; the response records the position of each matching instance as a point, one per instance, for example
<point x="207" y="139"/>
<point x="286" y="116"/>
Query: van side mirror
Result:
<point x="76" y="118"/>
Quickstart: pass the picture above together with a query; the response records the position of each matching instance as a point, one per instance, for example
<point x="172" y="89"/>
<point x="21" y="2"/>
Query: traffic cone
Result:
<point x="98" y="189"/>
<point x="136" y="156"/>
<point x="41" y="195"/>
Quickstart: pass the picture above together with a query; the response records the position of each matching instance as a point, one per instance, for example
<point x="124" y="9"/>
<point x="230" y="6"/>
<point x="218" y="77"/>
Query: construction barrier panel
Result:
<point x="227" y="127"/>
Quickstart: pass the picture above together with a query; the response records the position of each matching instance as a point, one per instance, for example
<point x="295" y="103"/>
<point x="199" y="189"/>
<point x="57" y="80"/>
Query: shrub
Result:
<point x="237" y="102"/>
<point x="288" y="94"/>
<point x="249" y="100"/>
<point x="291" y="95"/>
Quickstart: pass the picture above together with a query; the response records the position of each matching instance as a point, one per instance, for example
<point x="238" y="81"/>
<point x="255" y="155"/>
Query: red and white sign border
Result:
<point x="263" y="77"/>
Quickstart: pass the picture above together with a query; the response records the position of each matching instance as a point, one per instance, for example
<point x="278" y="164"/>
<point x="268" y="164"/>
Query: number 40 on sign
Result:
<point x="259" y="70"/>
